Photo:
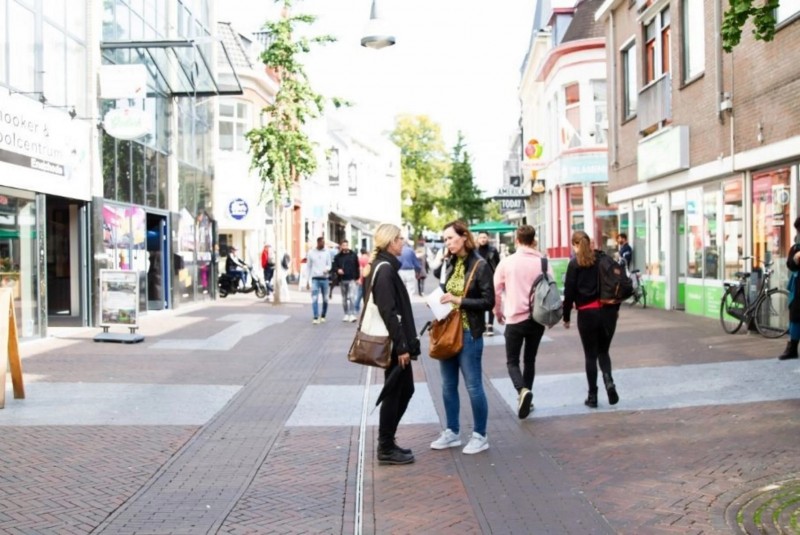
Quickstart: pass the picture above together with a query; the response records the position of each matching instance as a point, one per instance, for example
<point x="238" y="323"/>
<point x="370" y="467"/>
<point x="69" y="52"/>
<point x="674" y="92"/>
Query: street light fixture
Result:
<point x="376" y="34"/>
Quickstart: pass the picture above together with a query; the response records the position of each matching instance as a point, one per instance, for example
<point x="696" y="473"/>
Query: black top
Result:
<point x="626" y="254"/>
<point x="479" y="297"/>
<point x="489" y="254"/>
<point x="348" y="262"/>
<point x="391" y="298"/>
<point x="580" y="285"/>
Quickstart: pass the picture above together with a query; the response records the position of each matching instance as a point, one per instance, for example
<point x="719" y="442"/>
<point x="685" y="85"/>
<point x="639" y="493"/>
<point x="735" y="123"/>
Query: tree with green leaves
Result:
<point x="739" y="11"/>
<point x="465" y="198"/>
<point x="424" y="167"/>
<point x="281" y="151"/>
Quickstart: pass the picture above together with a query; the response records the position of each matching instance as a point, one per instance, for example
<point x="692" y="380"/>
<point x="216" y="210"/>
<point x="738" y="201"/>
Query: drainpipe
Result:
<point x="612" y="103"/>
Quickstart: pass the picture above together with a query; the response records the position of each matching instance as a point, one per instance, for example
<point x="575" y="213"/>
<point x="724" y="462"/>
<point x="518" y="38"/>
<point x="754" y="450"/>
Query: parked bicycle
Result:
<point x="639" y="296"/>
<point x="767" y="310"/>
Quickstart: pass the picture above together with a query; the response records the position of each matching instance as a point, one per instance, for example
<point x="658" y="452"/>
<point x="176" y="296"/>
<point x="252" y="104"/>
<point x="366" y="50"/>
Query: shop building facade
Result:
<point x="703" y="147"/>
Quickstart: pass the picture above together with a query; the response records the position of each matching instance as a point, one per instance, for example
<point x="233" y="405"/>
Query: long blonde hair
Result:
<point x="385" y="234"/>
<point x="584" y="255"/>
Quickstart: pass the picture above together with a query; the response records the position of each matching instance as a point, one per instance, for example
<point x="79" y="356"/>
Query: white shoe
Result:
<point x="353" y="319"/>
<point x="346" y="318"/>
<point x="316" y="321"/>
<point x="476" y="444"/>
<point x="447" y="439"/>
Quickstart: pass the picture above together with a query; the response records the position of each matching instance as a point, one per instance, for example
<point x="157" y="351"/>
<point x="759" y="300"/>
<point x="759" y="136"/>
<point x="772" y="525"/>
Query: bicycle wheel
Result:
<point x="731" y="310"/>
<point x="772" y="313"/>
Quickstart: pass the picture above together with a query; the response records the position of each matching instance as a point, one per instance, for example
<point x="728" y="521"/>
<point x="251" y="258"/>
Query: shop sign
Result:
<point x="512" y="192"/>
<point x="511" y="205"/>
<point x="238" y="209"/>
<point x="663" y="153"/>
<point x="45" y="150"/>
<point x="119" y="297"/>
<point x="127" y="123"/>
<point x="584" y="168"/>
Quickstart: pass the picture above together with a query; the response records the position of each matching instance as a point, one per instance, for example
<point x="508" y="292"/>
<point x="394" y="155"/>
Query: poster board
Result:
<point x="9" y="346"/>
<point x="119" y="305"/>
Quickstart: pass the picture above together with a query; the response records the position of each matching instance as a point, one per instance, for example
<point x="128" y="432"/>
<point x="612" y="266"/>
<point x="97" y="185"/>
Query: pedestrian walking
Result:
<point x="409" y="267"/>
<point x="793" y="263"/>
<point x="319" y="267"/>
<point x="489" y="253"/>
<point x="345" y="265"/>
<point x="268" y="265"/>
<point x="596" y="321"/>
<point x="363" y="262"/>
<point x="422" y="257"/>
<point x="389" y="294"/>
<point x="513" y="279"/>
<point x="473" y="302"/>
<point x="625" y="251"/>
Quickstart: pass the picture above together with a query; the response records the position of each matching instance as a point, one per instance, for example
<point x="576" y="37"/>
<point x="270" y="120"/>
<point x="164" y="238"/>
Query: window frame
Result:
<point x="629" y="80"/>
<point x="656" y="61"/>
<point x="692" y="26"/>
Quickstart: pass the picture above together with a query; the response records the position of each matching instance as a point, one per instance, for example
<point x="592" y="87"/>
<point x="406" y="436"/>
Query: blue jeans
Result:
<point x="319" y="286"/>
<point x="469" y="362"/>
<point x="359" y="297"/>
<point x="349" y="296"/>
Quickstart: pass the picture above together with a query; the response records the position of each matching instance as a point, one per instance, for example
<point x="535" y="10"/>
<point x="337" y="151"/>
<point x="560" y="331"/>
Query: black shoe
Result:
<point x="394" y="456"/>
<point x="791" y="350"/>
<point x="611" y="390"/>
<point x="407" y="451"/>
<point x="524" y="404"/>
<point x="591" y="400"/>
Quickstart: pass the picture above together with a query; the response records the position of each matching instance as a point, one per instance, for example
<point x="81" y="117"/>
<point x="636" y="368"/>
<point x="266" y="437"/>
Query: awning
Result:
<point x="179" y="68"/>
<point x="361" y="225"/>
<point x="492" y="226"/>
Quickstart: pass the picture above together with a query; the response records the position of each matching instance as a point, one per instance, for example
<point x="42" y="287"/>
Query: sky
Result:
<point x="456" y="61"/>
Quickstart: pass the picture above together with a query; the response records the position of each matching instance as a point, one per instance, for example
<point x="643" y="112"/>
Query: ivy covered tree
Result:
<point x="465" y="199"/>
<point x="736" y="16"/>
<point x="423" y="168"/>
<point x="281" y="151"/>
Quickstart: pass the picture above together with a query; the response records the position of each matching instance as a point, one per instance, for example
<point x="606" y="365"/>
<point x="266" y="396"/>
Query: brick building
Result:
<point x="703" y="146"/>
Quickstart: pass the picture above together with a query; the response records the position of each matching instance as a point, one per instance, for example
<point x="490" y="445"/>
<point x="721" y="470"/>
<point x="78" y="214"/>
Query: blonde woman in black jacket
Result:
<point x="390" y="296"/>
<point x="473" y="302"/>
<point x="596" y="321"/>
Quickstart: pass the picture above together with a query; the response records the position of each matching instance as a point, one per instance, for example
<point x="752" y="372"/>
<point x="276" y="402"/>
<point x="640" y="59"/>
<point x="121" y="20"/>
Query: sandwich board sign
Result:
<point x="9" y="344"/>
<point x="119" y="305"/>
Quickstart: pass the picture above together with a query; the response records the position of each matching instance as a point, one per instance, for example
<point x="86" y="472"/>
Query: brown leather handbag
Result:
<point x="447" y="335"/>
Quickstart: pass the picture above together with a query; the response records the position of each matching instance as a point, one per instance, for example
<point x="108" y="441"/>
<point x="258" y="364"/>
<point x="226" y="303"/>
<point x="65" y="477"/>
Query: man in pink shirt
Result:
<point x="513" y="280"/>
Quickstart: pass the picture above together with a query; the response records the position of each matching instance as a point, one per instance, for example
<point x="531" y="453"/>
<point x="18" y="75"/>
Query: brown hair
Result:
<point x="584" y="255"/>
<point x="526" y="235"/>
<point x="461" y="228"/>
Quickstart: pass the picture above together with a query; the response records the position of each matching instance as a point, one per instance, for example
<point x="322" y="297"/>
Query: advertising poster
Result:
<point x="119" y="297"/>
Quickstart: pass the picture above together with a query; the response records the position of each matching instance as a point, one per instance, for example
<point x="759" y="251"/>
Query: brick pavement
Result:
<point x="661" y="471"/>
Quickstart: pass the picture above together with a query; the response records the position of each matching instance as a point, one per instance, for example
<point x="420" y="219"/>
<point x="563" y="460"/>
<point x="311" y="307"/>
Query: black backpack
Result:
<point x="613" y="281"/>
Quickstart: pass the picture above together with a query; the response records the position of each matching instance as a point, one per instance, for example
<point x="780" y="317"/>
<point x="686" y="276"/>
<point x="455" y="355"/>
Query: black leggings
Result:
<point x="596" y="327"/>
<point x="394" y="405"/>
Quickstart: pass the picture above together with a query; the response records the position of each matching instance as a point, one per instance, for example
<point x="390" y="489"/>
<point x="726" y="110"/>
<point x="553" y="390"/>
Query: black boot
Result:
<point x="591" y="399"/>
<point x="791" y="350"/>
<point x="393" y="455"/>
<point x="404" y="450"/>
<point x="611" y="389"/>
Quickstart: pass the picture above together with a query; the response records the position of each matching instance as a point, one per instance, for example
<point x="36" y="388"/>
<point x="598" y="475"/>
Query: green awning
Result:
<point x="493" y="226"/>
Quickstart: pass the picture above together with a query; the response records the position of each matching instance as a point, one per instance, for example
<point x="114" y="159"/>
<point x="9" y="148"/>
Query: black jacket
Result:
<point x="391" y="298"/>
<point x="794" y="308"/>
<point x="348" y="262"/>
<point x="479" y="297"/>
<point x="490" y="254"/>
<point x="581" y="286"/>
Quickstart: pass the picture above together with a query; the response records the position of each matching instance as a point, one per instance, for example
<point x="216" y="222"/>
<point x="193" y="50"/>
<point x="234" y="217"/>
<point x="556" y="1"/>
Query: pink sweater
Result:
<point x="513" y="279"/>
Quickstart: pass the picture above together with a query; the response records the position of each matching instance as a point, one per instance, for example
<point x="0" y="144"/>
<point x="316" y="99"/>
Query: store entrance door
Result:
<point x="157" y="269"/>
<point x="65" y="250"/>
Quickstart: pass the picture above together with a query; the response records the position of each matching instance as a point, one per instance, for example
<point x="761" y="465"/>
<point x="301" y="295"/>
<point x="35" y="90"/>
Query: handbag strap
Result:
<point x="367" y="299"/>
<point x="469" y="279"/>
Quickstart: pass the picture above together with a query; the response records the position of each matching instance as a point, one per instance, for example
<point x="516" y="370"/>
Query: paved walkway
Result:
<point x="242" y="417"/>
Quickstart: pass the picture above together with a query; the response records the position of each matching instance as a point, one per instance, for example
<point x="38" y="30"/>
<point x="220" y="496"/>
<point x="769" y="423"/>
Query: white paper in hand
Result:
<point x="440" y="310"/>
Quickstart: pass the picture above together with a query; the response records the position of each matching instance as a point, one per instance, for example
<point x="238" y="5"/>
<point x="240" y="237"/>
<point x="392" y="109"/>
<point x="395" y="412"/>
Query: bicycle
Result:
<point x="768" y="310"/>
<point x="639" y="292"/>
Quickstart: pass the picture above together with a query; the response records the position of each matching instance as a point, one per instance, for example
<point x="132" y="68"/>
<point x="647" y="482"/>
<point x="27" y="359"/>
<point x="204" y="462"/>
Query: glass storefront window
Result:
<point x="733" y="233"/>
<point x="22" y="59"/>
<point x="18" y="263"/>
<point x="606" y="220"/>
<point x="575" y="208"/>
<point x="772" y="226"/>
<point x="694" y="221"/>
<point x="712" y="240"/>
<point x="655" y="252"/>
<point x="638" y="239"/>
<point x="3" y="42"/>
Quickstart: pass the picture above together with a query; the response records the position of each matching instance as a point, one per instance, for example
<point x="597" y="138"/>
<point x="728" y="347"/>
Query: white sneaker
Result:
<point x="447" y="439"/>
<point x="476" y="444"/>
<point x="346" y="318"/>
<point x="316" y="321"/>
<point x="353" y="319"/>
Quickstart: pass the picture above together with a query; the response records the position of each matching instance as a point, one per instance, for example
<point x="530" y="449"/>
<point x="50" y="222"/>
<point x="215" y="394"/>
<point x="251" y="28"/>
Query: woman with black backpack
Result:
<point x="597" y="321"/>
